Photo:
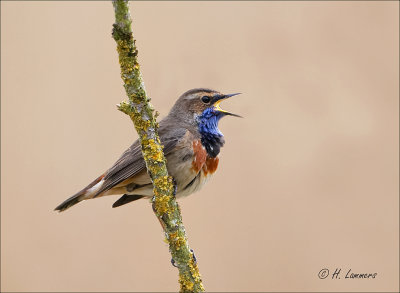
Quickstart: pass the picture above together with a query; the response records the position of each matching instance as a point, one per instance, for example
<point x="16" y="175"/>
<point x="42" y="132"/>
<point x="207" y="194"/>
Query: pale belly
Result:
<point x="189" y="165"/>
<point x="187" y="180"/>
<point x="182" y="168"/>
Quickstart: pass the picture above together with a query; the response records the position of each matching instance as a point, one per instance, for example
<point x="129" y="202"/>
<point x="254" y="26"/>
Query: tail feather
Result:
<point x="78" y="197"/>
<point x="126" y="198"/>
<point x="73" y="200"/>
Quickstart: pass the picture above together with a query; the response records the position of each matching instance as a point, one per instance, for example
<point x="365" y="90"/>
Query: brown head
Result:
<point x="198" y="102"/>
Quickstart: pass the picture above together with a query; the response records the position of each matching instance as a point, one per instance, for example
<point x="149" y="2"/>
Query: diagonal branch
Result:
<point x="140" y="111"/>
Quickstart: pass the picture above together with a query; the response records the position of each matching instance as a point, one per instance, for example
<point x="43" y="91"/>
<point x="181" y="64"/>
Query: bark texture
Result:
<point x="141" y="112"/>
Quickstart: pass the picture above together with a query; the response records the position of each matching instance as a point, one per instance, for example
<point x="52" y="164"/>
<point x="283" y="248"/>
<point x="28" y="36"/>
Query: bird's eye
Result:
<point x="205" y="99"/>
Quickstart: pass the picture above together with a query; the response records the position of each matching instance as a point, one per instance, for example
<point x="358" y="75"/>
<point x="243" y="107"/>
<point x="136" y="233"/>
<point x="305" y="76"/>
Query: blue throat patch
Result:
<point x="211" y="138"/>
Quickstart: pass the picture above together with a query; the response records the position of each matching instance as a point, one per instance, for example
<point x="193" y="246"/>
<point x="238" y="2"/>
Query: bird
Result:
<point x="192" y="143"/>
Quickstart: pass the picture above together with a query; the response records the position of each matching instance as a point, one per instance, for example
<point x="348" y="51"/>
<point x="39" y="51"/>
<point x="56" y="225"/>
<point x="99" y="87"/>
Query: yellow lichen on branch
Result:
<point x="139" y="109"/>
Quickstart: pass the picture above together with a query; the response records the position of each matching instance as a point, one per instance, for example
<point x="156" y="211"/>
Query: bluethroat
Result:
<point x="192" y="142"/>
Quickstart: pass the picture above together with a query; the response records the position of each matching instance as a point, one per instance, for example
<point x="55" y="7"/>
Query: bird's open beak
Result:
<point x="219" y="99"/>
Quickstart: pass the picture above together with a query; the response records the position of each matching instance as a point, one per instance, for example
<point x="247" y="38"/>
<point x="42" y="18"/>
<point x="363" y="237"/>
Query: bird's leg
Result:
<point x="173" y="263"/>
<point x="175" y="186"/>
<point x="194" y="257"/>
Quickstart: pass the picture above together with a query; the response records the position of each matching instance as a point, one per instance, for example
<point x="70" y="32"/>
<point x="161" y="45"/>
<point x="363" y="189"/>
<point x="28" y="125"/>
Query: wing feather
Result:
<point x="131" y="161"/>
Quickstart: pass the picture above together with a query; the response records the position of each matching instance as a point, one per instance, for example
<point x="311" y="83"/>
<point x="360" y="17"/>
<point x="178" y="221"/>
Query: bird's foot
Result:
<point x="175" y="186"/>
<point x="194" y="257"/>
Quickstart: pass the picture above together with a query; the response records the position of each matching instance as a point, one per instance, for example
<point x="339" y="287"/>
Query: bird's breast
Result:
<point x="210" y="166"/>
<point x="202" y="162"/>
<point x="199" y="156"/>
<point x="191" y="167"/>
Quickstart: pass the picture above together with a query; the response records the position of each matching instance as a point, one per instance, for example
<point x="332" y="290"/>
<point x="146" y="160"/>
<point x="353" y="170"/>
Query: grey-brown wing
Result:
<point x="131" y="162"/>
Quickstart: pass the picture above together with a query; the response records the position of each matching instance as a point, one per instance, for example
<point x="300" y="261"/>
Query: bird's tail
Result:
<point x="85" y="193"/>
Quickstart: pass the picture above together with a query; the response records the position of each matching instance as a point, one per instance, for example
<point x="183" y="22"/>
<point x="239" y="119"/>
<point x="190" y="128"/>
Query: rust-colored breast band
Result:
<point x="211" y="165"/>
<point x="200" y="155"/>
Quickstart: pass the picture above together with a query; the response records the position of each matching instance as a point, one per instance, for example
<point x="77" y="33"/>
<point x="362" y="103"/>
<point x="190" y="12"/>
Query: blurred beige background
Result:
<point x="308" y="180"/>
